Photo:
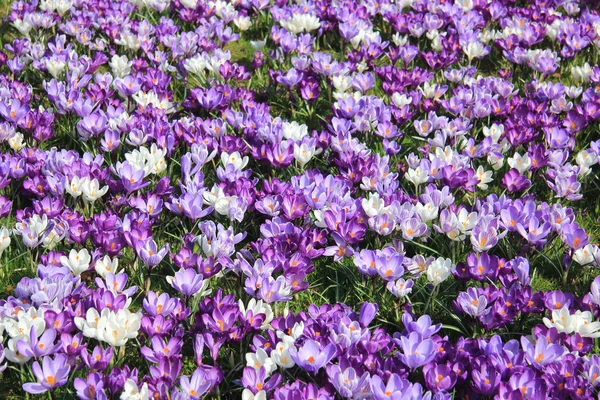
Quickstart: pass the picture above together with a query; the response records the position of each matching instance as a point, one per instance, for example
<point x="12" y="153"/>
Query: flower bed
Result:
<point x="300" y="200"/>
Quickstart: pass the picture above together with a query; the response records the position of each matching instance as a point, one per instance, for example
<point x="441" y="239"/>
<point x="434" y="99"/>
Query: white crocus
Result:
<point x="401" y="100"/>
<point x="439" y="270"/>
<point x="4" y="239"/>
<point x="110" y="327"/>
<point x="417" y="176"/>
<point x="585" y="255"/>
<point x="195" y="65"/>
<point x="427" y="212"/>
<point x="74" y="188"/>
<point x="234" y="159"/>
<point x="474" y="50"/>
<point x="258" y="45"/>
<point x="495" y="132"/>
<point x="495" y="160"/>
<point x="242" y="22"/>
<point x="582" y="73"/>
<point x="132" y="392"/>
<point x="211" y="197"/>
<point x="374" y="205"/>
<point x="303" y="153"/>
<point x="91" y="190"/>
<point x="248" y="395"/>
<point x="16" y="141"/>
<point x="144" y="99"/>
<point x="89" y="324"/>
<point x="281" y="354"/>
<point x="586" y="159"/>
<point x="520" y="162"/>
<point x="111" y="332"/>
<point x="466" y="220"/>
<point x="222" y="204"/>
<point x="22" y="26"/>
<point x="13" y="355"/>
<point x="106" y="266"/>
<point x="120" y="66"/>
<point x="77" y="262"/>
<point x="191" y="4"/>
<point x="293" y="130"/>
<point x="19" y="328"/>
<point x="341" y="83"/>
<point x="260" y="359"/>
<point x="579" y="322"/>
<point x="55" y="67"/>
<point x="484" y="177"/>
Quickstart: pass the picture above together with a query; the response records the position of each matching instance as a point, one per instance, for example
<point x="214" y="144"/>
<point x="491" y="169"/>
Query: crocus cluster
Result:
<point x="312" y="199"/>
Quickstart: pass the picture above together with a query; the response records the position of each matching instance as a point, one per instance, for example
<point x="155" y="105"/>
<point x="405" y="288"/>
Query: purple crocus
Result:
<point x="543" y="353"/>
<point x="149" y="253"/>
<point x="395" y="389"/>
<point x="90" y="389"/>
<point x="15" y="111"/>
<point x="197" y="385"/>
<point x="416" y="351"/>
<point x="472" y="303"/>
<point x="439" y="377"/>
<point x="50" y="375"/>
<point x="513" y="181"/>
<point x="485" y="379"/>
<point x="192" y="206"/>
<point x="187" y="282"/>
<point x="311" y="356"/>
<point x="38" y="347"/>
<point x="348" y="383"/>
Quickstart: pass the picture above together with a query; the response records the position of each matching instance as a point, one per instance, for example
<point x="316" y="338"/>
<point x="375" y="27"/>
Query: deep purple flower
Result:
<point x="513" y="181"/>
<point x="439" y="377"/>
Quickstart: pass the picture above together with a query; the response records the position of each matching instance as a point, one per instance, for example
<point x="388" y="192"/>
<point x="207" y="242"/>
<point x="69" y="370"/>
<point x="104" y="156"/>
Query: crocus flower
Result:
<point x="197" y="385"/>
<point x="51" y="374"/>
<point x="439" y="270"/>
<point x="38" y="347"/>
<point x="149" y="253"/>
<point x="416" y="351"/>
<point x="439" y="378"/>
<point x="513" y="181"/>
<point x="78" y="261"/>
<point x="471" y="303"/>
<point x="347" y="382"/>
<point x="189" y="283"/>
<point x="485" y="379"/>
<point x="311" y="357"/>
<point x="395" y="389"/>
<point x="90" y="389"/>
<point x="580" y="322"/>
<point x="543" y="353"/>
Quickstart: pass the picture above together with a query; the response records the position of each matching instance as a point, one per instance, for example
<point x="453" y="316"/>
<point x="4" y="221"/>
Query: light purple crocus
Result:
<point x="197" y="385"/>
<point x="149" y="253"/>
<point x="38" y="347"/>
<point x="50" y="375"/>
<point x="416" y="351"/>
<point x="395" y="389"/>
<point x="311" y="357"/>
<point x="543" y="353"/>
<point x="471" y="303"/>
<point x="186" y="281"/>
